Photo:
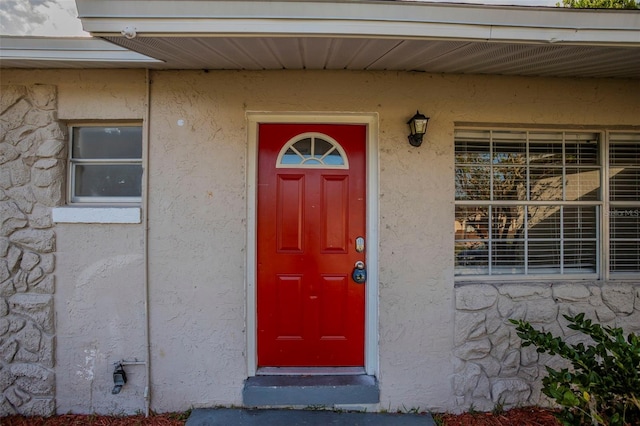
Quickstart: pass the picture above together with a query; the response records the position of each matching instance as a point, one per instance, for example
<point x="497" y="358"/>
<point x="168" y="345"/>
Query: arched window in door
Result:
<point x="312" y="150"/>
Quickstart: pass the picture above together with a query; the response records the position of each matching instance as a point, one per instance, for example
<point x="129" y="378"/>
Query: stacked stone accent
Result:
<point x="492" y="368"/>
<point x="32" y="152"/>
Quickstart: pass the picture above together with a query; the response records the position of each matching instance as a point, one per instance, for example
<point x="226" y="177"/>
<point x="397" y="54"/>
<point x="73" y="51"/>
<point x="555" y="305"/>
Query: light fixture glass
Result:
<point x="418" y="127"/>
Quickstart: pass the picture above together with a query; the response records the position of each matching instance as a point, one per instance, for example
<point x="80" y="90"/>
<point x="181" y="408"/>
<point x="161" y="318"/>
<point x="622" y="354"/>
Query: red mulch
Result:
<point x="516" y="417"/>
<point x="530" y="416"/>
<point x="172" y="419"/>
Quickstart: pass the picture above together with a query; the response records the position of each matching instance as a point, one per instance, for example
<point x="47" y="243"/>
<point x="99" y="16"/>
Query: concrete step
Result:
<point x="271" y="417"/>
<point x="261" y="391"/>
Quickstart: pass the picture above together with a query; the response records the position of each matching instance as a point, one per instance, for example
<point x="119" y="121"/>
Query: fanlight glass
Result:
<point x="313" y="150"/>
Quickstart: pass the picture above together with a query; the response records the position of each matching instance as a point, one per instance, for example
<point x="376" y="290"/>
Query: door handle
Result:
<point x="359" y="274"/>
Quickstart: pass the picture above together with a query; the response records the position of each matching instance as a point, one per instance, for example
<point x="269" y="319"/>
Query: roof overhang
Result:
<point x="400" y="35"/>
<point x="67" y="52"/>
<point x="404" y="19"/>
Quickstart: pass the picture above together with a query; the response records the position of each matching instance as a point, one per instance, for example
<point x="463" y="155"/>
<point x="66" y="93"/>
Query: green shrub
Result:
<point x="603" y="385"/>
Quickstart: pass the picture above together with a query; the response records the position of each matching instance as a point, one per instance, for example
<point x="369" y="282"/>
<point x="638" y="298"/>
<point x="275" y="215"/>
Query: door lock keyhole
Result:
<point x="359" y="272"/>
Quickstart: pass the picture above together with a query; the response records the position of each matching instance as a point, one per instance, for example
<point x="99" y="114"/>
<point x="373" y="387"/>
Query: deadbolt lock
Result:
<point x="359" y="272"/>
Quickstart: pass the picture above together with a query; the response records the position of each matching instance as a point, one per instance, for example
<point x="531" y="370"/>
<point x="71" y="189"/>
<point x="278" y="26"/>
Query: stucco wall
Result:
<point x="201" y="167"/>
<point x="98" y="268"/>
<point x="197" y="224"/>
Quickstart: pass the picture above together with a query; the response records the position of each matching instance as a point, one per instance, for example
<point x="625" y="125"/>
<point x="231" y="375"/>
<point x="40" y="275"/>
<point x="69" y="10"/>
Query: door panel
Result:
<point x="310" y="311"/>
<point x="290" y="213"/>
<point x="335" y="223"/>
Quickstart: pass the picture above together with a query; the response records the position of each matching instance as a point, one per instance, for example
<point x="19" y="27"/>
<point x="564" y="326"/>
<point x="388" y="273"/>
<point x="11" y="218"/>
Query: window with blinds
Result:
<point x="538" y="203"/>
<point x="624" y="202"/>
<point x="527" y="202"/>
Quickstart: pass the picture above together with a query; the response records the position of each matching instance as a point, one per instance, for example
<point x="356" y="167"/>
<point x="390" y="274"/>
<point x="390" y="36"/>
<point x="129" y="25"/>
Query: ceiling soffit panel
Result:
<point x="416" y="55"/>
<point x="372" y="35"/>
<point x="270" y="53"/>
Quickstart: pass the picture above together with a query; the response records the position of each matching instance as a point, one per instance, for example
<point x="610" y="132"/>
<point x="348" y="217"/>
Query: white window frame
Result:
<point x="74" y="200"/>
<point x="604" y="205"/>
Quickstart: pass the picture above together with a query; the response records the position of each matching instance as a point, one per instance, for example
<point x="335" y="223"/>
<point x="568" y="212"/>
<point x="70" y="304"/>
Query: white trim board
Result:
<point x="96" y="214"/>
<point x="371" y="303"/>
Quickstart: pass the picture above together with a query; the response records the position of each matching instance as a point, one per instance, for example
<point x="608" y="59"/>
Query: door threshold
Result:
<point x="309" y="371"/>
<point x="327" y="390"/>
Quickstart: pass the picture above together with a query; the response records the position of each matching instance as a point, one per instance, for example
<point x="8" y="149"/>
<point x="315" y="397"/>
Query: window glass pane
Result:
<point x="544" y="222"/>
<point x="509" y="148"/>
<point x="118" y="180"/>
<point x="107" y="142"/>
<point x="507" y="246"/>
<point x="544" y="257"/>
<point x="509" y="183"/>
<point x="625" y="238"/>
<point x="291" y="157"/>
<point x="471" y="233"/>
<point x="473" y="183"/>
<point x="580" y="222"/>
<point x="303" y="146"/>
<point x="624" y="222"/>
<point x="330" y="155"/>
<point x="582" y="184"/>
<point x="321" y="147"/>
<point x="624" y="183"/>
<point x="472" y="222"/>
<point x="580" y="257"/>
<point x="625" y="256"/>
<point x="472" y="148"/>
<point x="624" y="149"/>
<point x="334" y="158"/>
<point x="507" y="222"/>
<point x="545" y="148"/>
<point x="582" y="148"/>
<point x="507" y="257"/>
<point x="473" y="260"/>
<point x="545" y="183"/>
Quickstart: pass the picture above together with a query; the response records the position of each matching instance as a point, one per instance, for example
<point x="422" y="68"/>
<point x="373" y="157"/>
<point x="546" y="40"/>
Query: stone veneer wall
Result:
<point x="32" y="152"/>
<point x="491" y="367"/>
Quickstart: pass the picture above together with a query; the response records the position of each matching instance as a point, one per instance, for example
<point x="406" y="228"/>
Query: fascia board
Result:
<point x="403" y="19"/>
<point x="67" y="49"/>
<point x="366" y="29"/>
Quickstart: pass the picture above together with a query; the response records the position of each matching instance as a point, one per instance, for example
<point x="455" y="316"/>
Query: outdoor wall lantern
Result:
<point x="418" y="126"/>
<point x="119" y="379"/>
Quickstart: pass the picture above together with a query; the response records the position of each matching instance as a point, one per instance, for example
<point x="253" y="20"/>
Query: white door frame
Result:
<point x="371" y="355"/>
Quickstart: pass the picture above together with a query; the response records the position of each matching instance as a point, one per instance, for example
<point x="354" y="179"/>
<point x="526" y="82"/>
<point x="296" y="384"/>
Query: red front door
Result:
<point x="311" y="210"/>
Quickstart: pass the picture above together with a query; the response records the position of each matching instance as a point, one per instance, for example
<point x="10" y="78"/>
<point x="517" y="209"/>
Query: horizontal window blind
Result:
<point x="526" y="202"/>
<point x="624" y="196"/>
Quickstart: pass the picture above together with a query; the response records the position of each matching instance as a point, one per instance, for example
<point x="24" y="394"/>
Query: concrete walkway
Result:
<point x="273" y="417"/>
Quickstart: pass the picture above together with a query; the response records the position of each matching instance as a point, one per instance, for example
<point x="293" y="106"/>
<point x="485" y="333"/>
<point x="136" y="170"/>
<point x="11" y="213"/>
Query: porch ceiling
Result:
<point x="399" y="35"/>
<point x="337" y="53"/>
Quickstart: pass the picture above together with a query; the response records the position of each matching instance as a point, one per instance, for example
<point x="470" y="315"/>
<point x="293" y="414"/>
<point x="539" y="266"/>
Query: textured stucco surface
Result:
<point x="197" y="225"/>
<point x="99" y="275"/>
<point x="100" y="317"/>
